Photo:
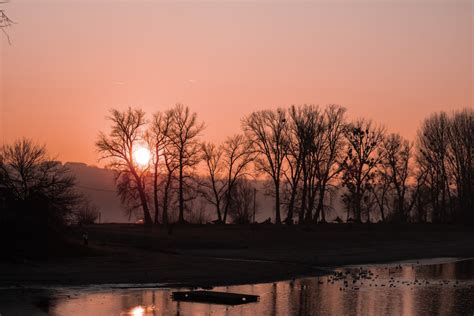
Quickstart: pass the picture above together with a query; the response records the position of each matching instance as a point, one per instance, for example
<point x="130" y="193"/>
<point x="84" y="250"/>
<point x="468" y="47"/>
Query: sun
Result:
<point x="142" y="156"/>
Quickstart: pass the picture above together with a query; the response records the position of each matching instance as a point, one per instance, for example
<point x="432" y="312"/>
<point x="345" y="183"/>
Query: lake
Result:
<point x="435" y="286"/>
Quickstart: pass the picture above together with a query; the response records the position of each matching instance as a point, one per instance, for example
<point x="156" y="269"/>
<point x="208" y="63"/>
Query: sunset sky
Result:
<point x="70" y="61"/>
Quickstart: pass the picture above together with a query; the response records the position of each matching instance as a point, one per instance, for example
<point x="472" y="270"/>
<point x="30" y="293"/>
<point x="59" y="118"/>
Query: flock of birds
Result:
<point x="354" y="279"/>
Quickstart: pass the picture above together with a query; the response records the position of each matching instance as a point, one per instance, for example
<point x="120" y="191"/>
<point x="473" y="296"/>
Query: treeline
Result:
<point x="307" y="155"/>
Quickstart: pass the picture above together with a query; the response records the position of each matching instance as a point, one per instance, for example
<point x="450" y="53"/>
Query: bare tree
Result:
<point x="363" y="140"/>
<point x="118" y="149"/>
<point x="294" y="157"/>
<point x="445" y="144"/>
<point x="237" y="155"/>
<point x="171" y="165"/>
<point x="5" y="22"/>
<point x="396" y="158"/>
<point x="86" y="213"/>
<point x="158" y="139"/>
<point x="380" y="187"/>
<point x="266" y="131"/>
<point x="184" y="140"/>
<point x="40" y="186"/>
<point x="226" y="164"/>
<point x="330" y="165"/>
<point x="461" y="162"/>
<point x="433" y="143"/>
<point x="213" y="188"/>
<point x="305" y="134"/>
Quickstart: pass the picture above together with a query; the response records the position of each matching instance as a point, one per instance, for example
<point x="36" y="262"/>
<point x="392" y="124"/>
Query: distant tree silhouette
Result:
<point x="241" y="206"/>
<point x="266" y="131"/>
<point x="226" y="164"/>
<point x="86" y="213"/>
<point x="237" y="155"/>
<point x="118" y="148"/>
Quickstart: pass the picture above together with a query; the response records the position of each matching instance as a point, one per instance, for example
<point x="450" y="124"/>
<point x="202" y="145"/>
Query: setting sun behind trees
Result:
<point x="142" y="156"/>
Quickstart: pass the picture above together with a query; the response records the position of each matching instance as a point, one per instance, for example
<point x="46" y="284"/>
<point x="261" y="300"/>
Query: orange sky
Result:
<point x="70" y="61"/>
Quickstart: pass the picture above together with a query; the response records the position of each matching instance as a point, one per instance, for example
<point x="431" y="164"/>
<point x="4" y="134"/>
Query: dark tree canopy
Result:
<point x="34" y="185"/>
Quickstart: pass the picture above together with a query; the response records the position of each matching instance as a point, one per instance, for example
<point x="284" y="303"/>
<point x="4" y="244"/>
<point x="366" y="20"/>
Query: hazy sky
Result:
<point x="71" y="61"/>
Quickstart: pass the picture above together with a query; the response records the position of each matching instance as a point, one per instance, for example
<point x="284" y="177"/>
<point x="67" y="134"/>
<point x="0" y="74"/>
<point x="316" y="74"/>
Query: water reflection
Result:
<point x="407" y="289"/>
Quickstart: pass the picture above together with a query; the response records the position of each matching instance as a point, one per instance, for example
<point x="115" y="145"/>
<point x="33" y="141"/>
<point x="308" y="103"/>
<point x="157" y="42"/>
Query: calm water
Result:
<point x="410" y="288"/>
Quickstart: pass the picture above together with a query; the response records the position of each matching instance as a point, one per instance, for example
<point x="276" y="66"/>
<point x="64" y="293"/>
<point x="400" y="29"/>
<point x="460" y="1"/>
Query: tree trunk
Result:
<point x="277" y="202"/>
<point x="165" y="200"/>
<point x="303" y="200"/>
<point x="219" y="216"/>
<point x="181" y="195"/>
<point x="141" y="192"/>
<point x="155" y="193"/>
<point x="358" y="206"/>
<point x="289" y="216"/>
<point x="309" y="210"/>
<point x="146" y="211"/>
<point x="319" y="208"/>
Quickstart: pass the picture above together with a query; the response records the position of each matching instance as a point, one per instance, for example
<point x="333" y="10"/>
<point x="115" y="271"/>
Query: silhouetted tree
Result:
<point x="158" y="139"/>
<point x="314" y="144"/>
<point x="433" y="142"/>
<point x="237" y="155"/>
<point x="118" y="149"/>
<point x="86" y="213"/>
<point x="445" y="145"/>
<point x="363" y="140"/>
<point x="36" y="186"/>
<point x="226" y="164"/>
<point x="213" y="188"/>
<point x="305" y="130"/>
<point x="330" y="165"/>
<point x="171" y="165"/>
<point x="5" y="22"/>
<point x="295" y="156"/>
<point x="396" y="154"/>
<point x="461" y="162"/>
<point x="184" y="144"/>
<point x="266" y="132"/>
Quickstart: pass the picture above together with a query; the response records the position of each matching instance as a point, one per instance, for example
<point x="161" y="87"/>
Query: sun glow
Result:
<point x="142" y="156"/>
<point x="137" y="311"/>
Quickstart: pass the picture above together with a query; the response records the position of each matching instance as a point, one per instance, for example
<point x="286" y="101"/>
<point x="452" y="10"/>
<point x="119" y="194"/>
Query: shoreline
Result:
<point x="99" y="287"/>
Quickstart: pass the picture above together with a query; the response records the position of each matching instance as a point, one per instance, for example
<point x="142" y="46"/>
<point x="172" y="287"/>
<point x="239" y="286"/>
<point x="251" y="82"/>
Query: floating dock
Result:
<point x="215" y="297"/>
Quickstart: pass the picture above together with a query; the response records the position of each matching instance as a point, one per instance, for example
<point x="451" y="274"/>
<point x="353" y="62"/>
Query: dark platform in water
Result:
<point x="215" y="297"/>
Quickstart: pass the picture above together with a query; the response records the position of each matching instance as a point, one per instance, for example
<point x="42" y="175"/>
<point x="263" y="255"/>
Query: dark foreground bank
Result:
<point x="218" y="255"/>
